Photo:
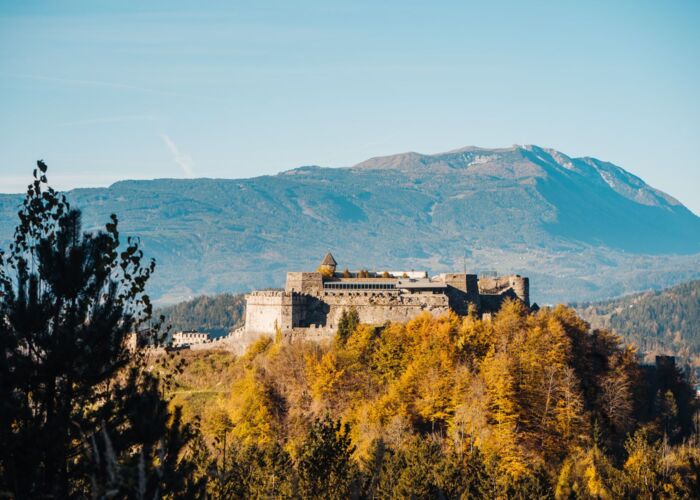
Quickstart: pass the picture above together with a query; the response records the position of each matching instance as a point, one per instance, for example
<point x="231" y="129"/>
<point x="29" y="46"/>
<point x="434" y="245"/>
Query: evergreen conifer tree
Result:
<point x="349" y="320"/>
<point x="79" y="413"/>
<point x="325" y="466"/>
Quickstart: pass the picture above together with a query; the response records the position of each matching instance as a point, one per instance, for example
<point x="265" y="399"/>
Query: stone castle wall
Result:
<point x="267" y="310"/>
<point x="376" y="308"/>
<point x="519" y="285"/>
<point x="316" y="316"/>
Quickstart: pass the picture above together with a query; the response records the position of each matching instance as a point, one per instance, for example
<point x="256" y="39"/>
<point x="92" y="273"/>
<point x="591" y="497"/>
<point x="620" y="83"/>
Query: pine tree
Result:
<point x="79" y="414"/>
<point x="324" y="463"/>
<point x="349" y="319"/>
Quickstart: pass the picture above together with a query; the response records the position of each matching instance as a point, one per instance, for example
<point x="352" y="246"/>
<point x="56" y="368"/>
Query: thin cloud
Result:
<point x="184" y="160"/>
<point x="105" y="84"/>
<point x="91" y="83"/>
<point x="109" y="119"/>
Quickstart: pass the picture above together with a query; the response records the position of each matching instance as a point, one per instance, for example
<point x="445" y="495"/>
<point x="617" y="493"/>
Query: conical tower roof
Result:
<point x="328" y="260"/>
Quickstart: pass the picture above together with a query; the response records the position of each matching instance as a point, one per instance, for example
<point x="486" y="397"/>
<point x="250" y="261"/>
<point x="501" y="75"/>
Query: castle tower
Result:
<point x="328" y="265"/>
<point x="521" y="287"/>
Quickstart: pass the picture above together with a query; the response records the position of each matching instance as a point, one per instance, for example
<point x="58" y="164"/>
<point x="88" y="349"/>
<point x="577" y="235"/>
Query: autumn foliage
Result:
<point x="529" y="404"/>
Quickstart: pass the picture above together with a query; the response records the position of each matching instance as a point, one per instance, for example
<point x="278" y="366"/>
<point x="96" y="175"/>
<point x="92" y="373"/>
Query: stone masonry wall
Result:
<point x="306" y="310"/>
<point x="310" y="283"/>
<point x="316" y="316"/>
<point x="378" y="307"/>
<point x="266" y="309"/>
<point x="501" y="284"/>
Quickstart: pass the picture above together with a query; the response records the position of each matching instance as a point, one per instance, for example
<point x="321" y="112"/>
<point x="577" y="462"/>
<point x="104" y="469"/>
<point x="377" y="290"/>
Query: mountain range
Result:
<point x="581" y="228"/>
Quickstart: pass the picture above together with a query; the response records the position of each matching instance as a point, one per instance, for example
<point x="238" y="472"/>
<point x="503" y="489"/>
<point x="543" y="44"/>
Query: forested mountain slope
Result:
<point x="581" y="228"/>
<point x="663" y="322"/>
<point x="216" y="315"/>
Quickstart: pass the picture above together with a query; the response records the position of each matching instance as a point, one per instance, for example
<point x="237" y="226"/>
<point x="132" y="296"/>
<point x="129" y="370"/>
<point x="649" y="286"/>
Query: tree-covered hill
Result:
<point x="527" y="405"/>
<point x="663" y="322"/>
<point x="216" y="314"/>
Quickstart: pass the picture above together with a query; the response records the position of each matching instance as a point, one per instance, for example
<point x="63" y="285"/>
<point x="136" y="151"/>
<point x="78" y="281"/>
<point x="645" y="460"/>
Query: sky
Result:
<point x="117" y="89"/>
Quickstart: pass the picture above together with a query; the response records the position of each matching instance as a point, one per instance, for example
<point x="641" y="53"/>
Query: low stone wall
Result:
<point x="236" y="341"/>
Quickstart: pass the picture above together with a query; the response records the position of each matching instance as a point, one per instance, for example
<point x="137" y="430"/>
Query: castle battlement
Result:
<point x="268" y="293"/>
<point x="312" y="303"/>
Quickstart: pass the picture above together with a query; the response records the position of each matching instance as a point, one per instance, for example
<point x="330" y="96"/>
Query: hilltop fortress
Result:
<point x="312" y="303"/>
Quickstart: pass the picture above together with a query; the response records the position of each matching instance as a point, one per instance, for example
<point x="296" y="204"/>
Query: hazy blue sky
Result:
<point x="114" y="89"/>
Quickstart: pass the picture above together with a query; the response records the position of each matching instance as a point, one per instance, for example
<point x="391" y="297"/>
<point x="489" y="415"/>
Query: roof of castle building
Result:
<point x="419" y="284"/>
<point x="328" y="260"/>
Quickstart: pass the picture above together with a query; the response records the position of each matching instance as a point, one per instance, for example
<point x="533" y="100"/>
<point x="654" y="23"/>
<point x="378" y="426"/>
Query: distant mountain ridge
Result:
<point x="526" y="161"/>
<point x="581" y="228"/>
<point x="578" y="188"/>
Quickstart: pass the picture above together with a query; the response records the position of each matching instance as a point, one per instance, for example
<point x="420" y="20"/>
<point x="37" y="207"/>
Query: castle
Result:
<point x="312" y="303"/>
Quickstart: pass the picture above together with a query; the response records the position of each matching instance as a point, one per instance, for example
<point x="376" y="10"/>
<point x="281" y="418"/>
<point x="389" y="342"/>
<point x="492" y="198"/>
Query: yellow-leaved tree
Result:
<point x="527" y="405"/>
